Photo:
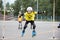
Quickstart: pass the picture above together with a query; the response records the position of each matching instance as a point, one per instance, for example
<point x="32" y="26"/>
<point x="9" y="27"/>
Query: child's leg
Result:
<point x="20" y="27"/>
<point x="21" y="24"/>
<point x="31" y="26"/>
<point x="34" y="26"/>
<point x="25" y="26"/>
<point x="33" y="32"/>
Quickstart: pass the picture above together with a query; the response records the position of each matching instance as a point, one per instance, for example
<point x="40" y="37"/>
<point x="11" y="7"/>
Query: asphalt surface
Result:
<point x="44" y="31"/>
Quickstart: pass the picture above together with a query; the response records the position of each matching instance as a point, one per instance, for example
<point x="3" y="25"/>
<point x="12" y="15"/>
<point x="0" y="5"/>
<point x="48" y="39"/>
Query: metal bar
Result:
<point x="53" y="10"/>
<point x="3" y="28"/>
<point x="37" y="9"/>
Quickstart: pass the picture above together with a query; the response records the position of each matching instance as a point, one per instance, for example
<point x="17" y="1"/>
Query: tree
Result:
<point x="58" y="10"/>
<point x="16" y="7"/>
<point x="1" y="6"/>
<point x="21" y="5"/>
<point x="42" y="5"/>
<point x="8" y="6"/>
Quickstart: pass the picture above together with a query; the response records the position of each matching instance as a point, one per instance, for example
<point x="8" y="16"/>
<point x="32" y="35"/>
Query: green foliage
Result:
<point x="42" y="5"/>
<point x="1" y="6"/>
<point x="5" y="12"/>
<point x="8" y="6"/>
<point x="57" y="7"/>
<point x="16" y="7"/>
<point x="47" y="6"/>
<point x="58" y="10"/>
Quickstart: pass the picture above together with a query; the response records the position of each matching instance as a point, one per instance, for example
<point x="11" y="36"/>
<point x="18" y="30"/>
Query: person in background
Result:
<point x="59" y="26"/>
<point x="20" y="20"/>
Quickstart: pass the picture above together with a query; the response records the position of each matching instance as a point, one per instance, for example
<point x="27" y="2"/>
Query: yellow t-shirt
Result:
<point x="20" y="18"/>
<point x="29" y="16"/>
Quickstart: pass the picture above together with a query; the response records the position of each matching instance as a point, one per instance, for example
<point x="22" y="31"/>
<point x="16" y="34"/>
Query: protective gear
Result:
<point x="33" y="33"/>
<point x="29" y="9"/>
<point x="23" y="32"/>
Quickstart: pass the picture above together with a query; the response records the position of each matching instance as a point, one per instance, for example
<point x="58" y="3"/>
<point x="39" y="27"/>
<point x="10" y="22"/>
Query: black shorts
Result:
<point x="32" y="22"/>
<point x="19" y="21"/>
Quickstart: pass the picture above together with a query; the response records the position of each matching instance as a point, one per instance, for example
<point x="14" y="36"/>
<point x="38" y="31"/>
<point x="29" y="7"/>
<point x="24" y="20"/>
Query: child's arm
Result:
<point x="22" y="14"/>
<point x="41" y="12"/>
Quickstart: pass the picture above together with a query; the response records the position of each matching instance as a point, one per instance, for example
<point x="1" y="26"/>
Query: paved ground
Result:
<point x="45" y="31"/>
